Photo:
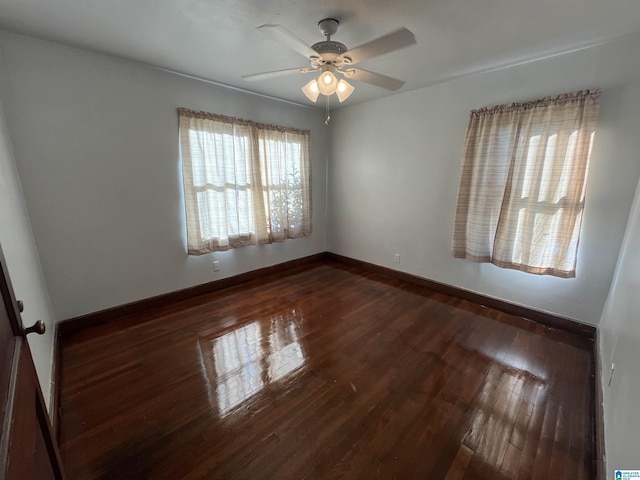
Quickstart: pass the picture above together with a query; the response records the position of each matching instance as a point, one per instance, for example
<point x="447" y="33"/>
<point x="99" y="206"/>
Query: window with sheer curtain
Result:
<point x="523" y="183"/>
<point x="245" y="183"/>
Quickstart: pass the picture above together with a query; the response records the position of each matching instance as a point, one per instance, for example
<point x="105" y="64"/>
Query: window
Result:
<point x="523" y="183"/>
<point x="244" y="183"/>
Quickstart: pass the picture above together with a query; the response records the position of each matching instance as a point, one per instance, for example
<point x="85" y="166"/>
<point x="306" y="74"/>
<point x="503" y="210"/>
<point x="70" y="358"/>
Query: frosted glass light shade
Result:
<point x="311" y="90"/>
<point x="327" y="83"/>
<point x="343" y="90"/>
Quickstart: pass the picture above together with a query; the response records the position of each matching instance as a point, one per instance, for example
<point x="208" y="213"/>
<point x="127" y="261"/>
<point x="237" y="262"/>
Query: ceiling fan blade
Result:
<point x="281" y="34"/>
<point x="276" y="73"/>
<point x="388" y="43"/>
<point x="373" y="78"/>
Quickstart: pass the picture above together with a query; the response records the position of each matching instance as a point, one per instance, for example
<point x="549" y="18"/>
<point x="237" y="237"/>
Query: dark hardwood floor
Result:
<point x="327" y="372"/>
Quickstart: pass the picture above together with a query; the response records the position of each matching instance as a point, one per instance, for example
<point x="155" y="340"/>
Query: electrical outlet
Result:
<point x="396" y="258"/>
<point x="216" y="266"/>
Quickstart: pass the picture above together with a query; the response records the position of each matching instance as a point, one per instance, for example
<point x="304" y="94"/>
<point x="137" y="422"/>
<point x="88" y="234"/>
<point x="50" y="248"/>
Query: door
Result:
<point x="27" y="447"/>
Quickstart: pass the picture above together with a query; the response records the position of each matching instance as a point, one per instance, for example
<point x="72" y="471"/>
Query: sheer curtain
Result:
<point x="245" y="183"/>
<point x="523" y="183"/>
<point x="285" y="166"/>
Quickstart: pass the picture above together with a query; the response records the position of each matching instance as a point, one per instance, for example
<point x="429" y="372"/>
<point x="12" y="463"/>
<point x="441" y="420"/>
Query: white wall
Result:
<point x="20" y="252"/>
<point x="395" y="164"/>
<point x="619" y="344"/>
<point x="96" y="145"/>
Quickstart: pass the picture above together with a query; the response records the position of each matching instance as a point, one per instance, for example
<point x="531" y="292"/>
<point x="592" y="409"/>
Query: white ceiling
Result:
<point x="217" y="39"/>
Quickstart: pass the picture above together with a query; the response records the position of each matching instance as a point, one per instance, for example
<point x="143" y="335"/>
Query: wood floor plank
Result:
<point x="326" y="372"/>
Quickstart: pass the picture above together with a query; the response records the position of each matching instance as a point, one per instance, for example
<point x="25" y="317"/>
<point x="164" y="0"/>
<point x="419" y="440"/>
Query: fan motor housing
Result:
<point x="329" y="46"/>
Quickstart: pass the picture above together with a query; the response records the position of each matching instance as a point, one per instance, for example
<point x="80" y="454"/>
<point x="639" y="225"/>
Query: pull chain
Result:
<point x="328" y="119"/>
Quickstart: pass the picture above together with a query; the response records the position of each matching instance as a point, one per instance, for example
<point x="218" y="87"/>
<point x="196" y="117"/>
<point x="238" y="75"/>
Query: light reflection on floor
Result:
<point x="515" y="391"/>
<point x="242" y="362"/>
<point x="499" y="423"/>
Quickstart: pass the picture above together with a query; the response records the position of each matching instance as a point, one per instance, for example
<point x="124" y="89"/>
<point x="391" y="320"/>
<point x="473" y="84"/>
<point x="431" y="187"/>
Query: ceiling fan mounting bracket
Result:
<point x="328" y="26"/>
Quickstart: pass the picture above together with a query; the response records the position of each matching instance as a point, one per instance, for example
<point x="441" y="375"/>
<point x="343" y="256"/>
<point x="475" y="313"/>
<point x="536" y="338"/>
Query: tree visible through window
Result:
<point x="523" y="183"/>
<point x="244" y="183"/>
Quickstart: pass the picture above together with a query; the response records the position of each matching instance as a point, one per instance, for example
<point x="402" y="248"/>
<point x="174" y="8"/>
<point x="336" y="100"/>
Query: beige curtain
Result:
<point x="284" y="160"/>
<point x="245" y="183"/>
<point x="523" y="182"/>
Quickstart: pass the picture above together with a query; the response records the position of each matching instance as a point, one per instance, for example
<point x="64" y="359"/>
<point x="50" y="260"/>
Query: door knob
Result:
<point x="20" y="306"/>
<point x="38" y="327"/>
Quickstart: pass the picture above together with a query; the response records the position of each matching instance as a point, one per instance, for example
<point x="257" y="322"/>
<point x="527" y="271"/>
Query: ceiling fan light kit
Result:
<point x="331" y="58"/>
<point x="327" y="84"/>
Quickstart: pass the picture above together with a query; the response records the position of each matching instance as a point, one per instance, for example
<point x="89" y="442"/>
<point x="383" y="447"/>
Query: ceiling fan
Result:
<point x="331" y="58"/>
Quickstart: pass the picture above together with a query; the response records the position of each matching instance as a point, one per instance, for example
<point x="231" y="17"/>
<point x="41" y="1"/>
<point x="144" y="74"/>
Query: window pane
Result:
<point x="532" y="152"/>
<point x="548" y="163"/>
